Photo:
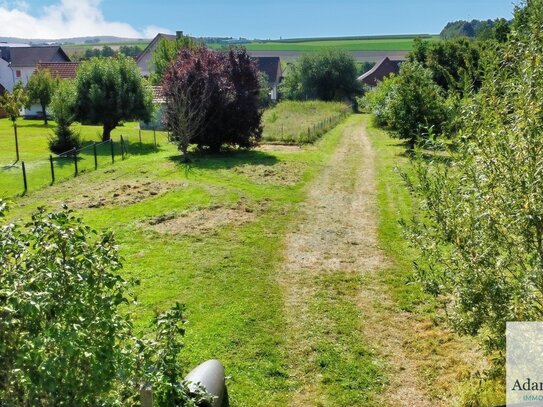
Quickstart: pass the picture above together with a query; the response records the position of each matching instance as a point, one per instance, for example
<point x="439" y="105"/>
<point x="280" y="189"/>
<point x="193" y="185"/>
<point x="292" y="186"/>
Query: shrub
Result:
<point x="63" y="338"/>
<point x="212" y="99"/>
<point x="415" y="104"/>
<point x="411" y="104"/>
<point x="62" y="106"/>
<point x="480" y="228"/>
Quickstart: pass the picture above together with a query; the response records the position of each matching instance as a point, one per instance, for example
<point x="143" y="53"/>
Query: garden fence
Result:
<point x="35" y="174"/>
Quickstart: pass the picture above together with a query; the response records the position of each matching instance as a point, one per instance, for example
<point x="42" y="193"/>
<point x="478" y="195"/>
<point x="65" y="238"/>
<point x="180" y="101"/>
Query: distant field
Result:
<point x="347" y="45"/>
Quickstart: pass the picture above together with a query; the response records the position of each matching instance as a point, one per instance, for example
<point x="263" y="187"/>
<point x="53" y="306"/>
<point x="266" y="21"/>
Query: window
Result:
<point x="18" y="73"/>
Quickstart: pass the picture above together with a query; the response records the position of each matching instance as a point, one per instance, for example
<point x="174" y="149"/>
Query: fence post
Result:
<point x="112" y="151"/>
<point x="74" y="152"/>
<point x="24" y="176"/>
<point x="95" y="156"/>
<point x="52" y="169"/>
<point x="140" y="136"/>
<point x="146" y="396"/>
<point x="122" y="147"/>
<point x="154" y="136"/>
<point x="16" y="141"/>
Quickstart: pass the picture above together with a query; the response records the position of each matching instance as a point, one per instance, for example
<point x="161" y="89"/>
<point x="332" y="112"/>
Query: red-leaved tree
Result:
<point x="212" y="99"/>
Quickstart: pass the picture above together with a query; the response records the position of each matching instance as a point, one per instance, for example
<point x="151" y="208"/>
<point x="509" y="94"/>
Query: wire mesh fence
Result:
<point x="23" y="176"/>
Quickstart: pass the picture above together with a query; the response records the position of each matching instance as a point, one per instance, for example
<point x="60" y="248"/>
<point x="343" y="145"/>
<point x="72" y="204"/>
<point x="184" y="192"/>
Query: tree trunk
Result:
<point x="106" y="133"/>
<point x="44" y="110"/>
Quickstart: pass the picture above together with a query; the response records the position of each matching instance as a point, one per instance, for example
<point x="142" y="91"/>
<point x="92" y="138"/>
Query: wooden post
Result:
<point x="112" y="151"/>
<point x="74" y="152"/>
<point x="122" y="147"/>
<point x="154" y="135"/>
<point x="16" y="141"/>
<point x="24" y="176"/>
<point x="52" y="169"/>
<point x="146" y="396"/>
<point x="140" y="136"/>
<point x="95" y="156"/>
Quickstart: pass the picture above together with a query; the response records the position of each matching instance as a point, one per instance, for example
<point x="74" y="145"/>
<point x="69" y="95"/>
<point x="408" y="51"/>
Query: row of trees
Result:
<point x="212" y="98"/>
<point x="428" y="94"/>
<point x="479" y="225"/>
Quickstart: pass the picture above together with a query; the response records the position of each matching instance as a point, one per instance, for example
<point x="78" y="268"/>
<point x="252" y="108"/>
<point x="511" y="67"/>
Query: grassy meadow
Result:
<point x="211" y="234"/>
<point x="438" y="351"/>
<point x="33" y="138"/>
<point x="298" y="122"/>
<point x="208" y="234"/>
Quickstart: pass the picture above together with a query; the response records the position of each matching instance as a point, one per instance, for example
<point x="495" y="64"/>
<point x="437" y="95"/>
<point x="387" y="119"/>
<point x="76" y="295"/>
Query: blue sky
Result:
<point x="251" y="19"/>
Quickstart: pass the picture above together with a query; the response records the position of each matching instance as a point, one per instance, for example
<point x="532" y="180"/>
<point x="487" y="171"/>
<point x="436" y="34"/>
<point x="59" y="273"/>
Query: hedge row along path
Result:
<point x="330" y="260"/>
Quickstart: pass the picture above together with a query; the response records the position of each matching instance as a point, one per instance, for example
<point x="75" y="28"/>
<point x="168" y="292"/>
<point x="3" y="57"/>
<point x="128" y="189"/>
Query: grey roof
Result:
<point x="150" y="48"/>
<point x="32" y="56"/>
<point x="271" y="66"/>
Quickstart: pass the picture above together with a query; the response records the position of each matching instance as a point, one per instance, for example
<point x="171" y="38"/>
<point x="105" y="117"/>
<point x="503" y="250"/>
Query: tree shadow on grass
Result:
<point x="225" y="160"/>
<point x="428" y="156"/>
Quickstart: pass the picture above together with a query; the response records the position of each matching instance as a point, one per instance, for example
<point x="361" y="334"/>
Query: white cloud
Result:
<point x="67" y="19"/>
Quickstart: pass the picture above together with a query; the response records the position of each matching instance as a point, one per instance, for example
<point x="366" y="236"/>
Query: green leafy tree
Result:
<point x="480" y="225"/>
<point x="12" y="102"/>
<point x="109" y="91"/>
<point x="40" y="88"/>
<point x="326" y="75"/>
<point x="411" y="104"/>
<point x="264" y="89"/>
<point x="62" y="106"/>
<point x="64" y="340"/>
<point x="455" y="64"/>
<point x="166" y="52"/>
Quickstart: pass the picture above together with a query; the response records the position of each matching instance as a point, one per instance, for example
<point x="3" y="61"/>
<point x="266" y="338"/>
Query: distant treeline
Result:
<point x="106" y="51"/>
<point x="480" y="29"/>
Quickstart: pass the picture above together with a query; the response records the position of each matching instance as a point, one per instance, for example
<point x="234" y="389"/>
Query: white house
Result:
<point x="17" y="64"/>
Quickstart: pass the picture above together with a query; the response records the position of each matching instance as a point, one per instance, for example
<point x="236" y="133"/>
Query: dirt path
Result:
<point x="338" y="234"/>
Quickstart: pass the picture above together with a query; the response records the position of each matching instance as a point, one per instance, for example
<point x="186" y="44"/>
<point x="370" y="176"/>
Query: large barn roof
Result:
<point x="32" y="56"/>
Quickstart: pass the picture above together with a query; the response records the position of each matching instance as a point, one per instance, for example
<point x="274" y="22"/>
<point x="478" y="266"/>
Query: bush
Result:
<point x="376" y="101"/>
<point x="411" y="104"/>
<point x="62" y="106"/>
<point x="212" y="99"/>
<point x="480" y="228"/>
<point x="63" y="339"/>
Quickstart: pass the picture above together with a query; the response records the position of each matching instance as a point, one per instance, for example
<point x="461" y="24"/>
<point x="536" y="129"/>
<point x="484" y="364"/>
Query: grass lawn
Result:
<point x="444" y="371"/>
<point x="293" y="122"/>
<point x="209" y="235"/>
<point x="34" y="151"/>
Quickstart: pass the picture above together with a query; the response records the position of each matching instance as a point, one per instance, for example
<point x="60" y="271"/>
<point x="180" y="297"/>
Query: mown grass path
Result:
<point x="332" y="298"/>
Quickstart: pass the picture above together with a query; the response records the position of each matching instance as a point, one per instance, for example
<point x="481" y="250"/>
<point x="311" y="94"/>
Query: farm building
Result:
<point x="380" y="71"/>
<point x="271" y="66"/>
<point x="145" y="59"/>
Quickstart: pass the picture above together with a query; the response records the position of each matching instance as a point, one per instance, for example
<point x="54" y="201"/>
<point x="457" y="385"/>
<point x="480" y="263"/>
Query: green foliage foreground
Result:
<point x="63" y="339"/>
<point x="480" y="229"/>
